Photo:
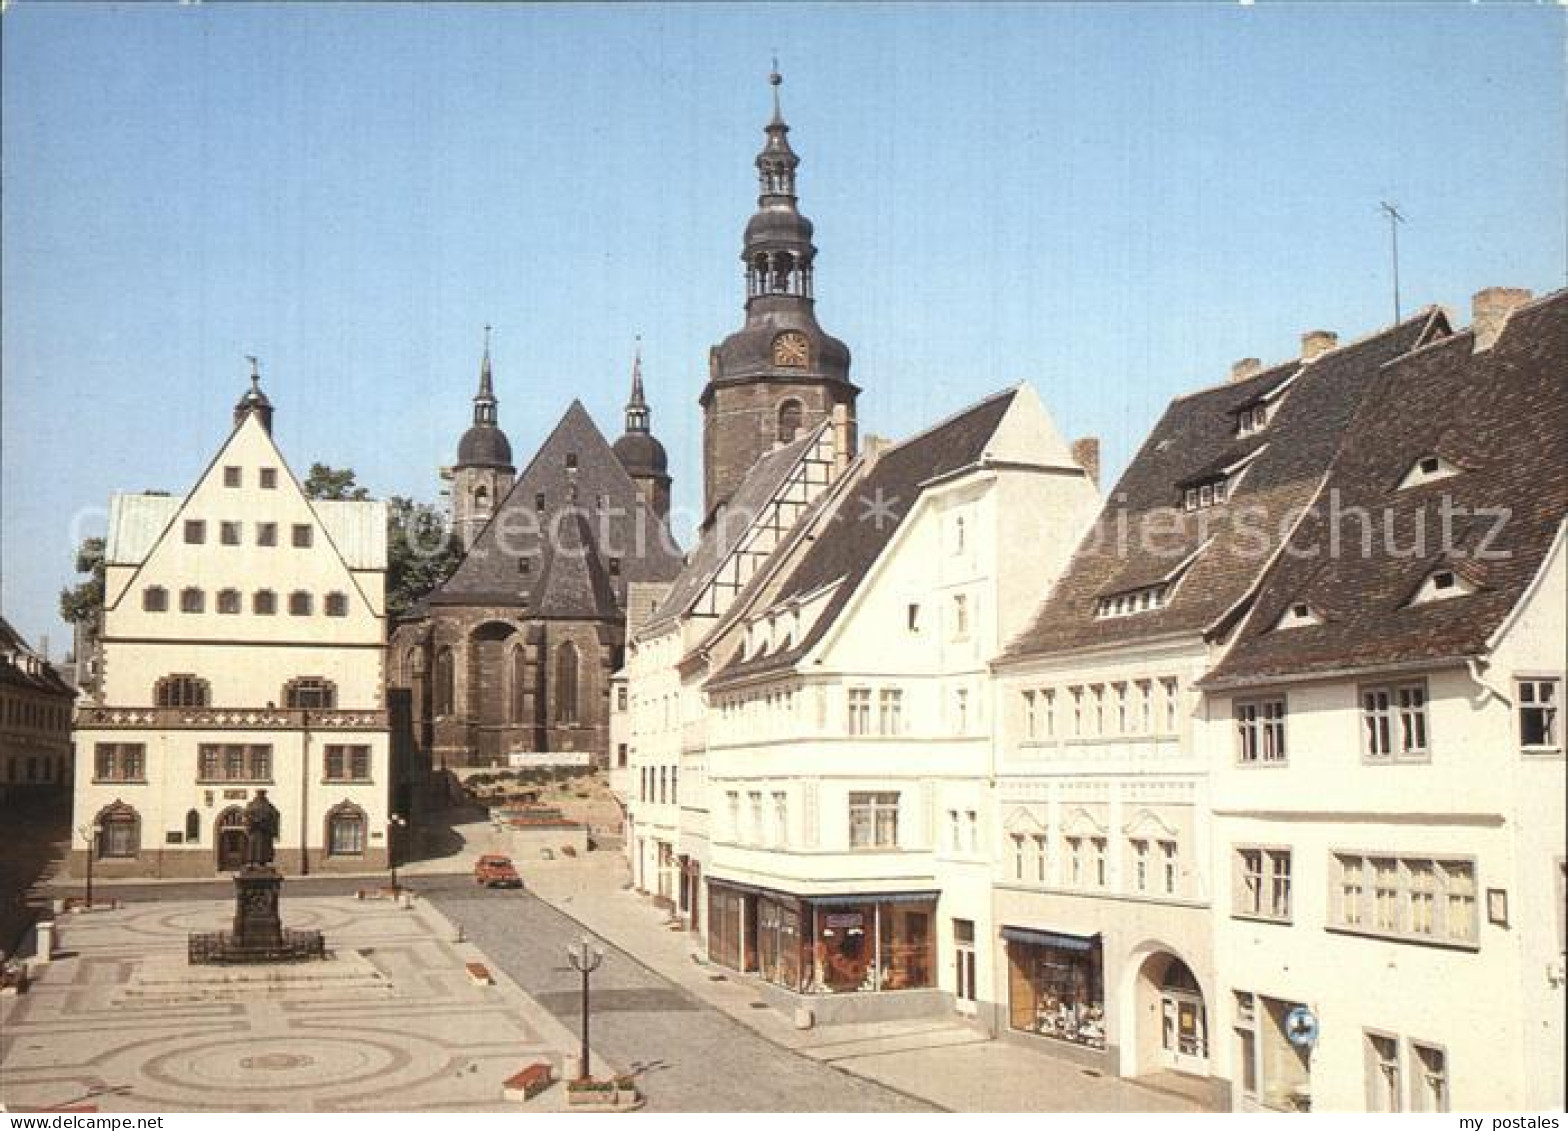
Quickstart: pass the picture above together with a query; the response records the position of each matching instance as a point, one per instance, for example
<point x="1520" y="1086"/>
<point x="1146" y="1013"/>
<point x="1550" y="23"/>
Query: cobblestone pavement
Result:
<point x="688" y="1056"/>
<point x="393" y="1022"/>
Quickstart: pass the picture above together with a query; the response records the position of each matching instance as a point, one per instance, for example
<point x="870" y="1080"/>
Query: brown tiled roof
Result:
<point x="1502" y="415"/>
<point x="869" y="515"/>
<point x="1143" y="534"/>
<point x="44" y="677"/>
<point x="569" y="574"/>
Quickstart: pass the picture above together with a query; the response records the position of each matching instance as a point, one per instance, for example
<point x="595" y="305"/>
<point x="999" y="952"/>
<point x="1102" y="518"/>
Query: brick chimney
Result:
<point x="843" y="429"/>
<point x="1246" y="367"/>
<point x="1316" y="343"/>
<point x="1489" y="311"/>
<point x="1086" y="452"/>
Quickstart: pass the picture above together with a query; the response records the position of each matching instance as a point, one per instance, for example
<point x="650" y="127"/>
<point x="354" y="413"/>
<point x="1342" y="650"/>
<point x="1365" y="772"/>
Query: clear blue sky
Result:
<point x="1111" y="202"/>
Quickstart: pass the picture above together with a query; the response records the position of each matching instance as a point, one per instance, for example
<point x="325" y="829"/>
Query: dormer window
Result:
<point x="1143" y="600"/>
<point x="1252" y="420"/>
<point x="1442" y="584"/>
<point x="1298" y="615"/>
<point x="1428" y="469"/>
<point x="1202" y="495"/>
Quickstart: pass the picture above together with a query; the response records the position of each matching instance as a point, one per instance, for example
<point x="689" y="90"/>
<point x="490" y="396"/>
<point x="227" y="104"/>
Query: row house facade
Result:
<point x="243" y="638"/>
<point x="35" y="722"/>
<point x="1387" y="763"/>
<point x="1104" y="889"/>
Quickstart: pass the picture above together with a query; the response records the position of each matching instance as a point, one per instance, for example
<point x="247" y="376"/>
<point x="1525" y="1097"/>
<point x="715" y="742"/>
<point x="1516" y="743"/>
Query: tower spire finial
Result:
<point x="776" y="80"/>
<point x="637" y="405"/>
<point x="255" y="371"/>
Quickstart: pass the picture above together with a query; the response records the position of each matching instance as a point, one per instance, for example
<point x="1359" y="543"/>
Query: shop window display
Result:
<point x="1057" y="992"/>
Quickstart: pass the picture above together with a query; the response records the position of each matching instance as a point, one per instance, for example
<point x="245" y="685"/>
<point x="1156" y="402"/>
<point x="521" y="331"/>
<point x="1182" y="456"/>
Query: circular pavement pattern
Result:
<point x="282" y="1062"/>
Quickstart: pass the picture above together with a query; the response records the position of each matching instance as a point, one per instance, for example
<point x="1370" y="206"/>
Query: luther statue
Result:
<point x="261" y="829"/>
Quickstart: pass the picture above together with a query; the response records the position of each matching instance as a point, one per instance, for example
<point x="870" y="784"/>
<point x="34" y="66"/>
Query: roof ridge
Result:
<point x="956" y="415"/>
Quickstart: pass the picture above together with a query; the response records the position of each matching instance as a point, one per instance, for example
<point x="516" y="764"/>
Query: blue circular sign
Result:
<point x="1301" y="1027"/>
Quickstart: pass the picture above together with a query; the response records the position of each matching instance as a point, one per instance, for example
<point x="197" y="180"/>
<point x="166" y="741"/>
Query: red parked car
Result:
<point x="496" y="872"/>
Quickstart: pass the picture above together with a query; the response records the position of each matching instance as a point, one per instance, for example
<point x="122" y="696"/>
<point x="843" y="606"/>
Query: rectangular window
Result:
<point x="269" y="477"/>
<point x="1263" y="882"/>
<point x="859" y="710"/>
<point x="873" y="820"/>
<point x="754" y="802"/>
<point x="195" y="531"/>
<point x="300" y="535"/>
<point x="347" y="763"/>
<point x="1172" y="704"/>
<point x="890" y="711"/>
<point x="780" y="819"/>
<point x="952" y="830"/>
<point x="1260" y="732"/>
<point x="1172" y="875"/>
<point x="960" y="617"/>
<point x="1429" y="1078"/>
<point x="1098" y="693"/>
<point x="972" y="823"/>
<point x="1039" y="857"/>
<point x="1031" y="718"/>
<point x="266" y="534"/>
<point x="1145" y="707"/>
<point x="231" y="477"/>
<point x="120" y="761"/>
<point x="1140" y="865"/>
<point x="1394" y="722"/>
<point x="1077" y="694"/>
<point x="1048" y="709"/>
<point x="1101" y="863"/>
<point x="1538" y="701"/>
<point x="1384" y="1091"/>
<point x="1123" y="718"/>
<point x="1416" y="898"/>
<point x="1385" y="896"/>
<point x="1018" y="856"/>
<point x="229" y="533"/>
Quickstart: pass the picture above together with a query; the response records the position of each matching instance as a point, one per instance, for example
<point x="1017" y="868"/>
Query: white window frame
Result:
<point x="1260" y="885"/>
<point x="1394" y="727"/>
<point x="1551" y="707"/>
<point x="1453" y="909"/>
<point x="1260" y="731"/>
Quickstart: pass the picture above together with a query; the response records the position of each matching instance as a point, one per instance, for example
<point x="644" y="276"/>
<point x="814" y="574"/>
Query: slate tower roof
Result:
<point x="484" y="444"/>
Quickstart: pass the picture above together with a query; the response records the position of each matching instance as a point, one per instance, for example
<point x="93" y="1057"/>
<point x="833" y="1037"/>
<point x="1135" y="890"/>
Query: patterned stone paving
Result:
<point x="394" y="1023"/>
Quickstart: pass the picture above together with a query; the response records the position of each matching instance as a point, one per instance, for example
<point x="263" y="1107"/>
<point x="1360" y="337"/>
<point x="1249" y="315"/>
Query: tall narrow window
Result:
<point x="789" y="421"/>
<point x="1538" y="701"/>
<point x="566" y="680"/>
<point x="444" y="682"/>
<point x="517" y="686"/>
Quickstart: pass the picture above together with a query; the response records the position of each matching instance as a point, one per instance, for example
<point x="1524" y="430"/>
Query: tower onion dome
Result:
<point x="484" y="444"/>
<point x="640" y="454"/>
<point x="780" y="262"/>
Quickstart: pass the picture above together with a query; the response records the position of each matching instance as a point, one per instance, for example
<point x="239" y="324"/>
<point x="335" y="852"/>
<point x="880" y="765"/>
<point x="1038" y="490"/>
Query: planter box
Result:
<point x="602" y="1093"/>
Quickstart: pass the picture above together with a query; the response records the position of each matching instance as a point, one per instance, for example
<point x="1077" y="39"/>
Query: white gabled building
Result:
<point x="1104" y="880"/>
<point x="242" y="650"/>
<point x="661" y="719"/>
<point x="848" y="734"/>
<point x="1386" y="751"/>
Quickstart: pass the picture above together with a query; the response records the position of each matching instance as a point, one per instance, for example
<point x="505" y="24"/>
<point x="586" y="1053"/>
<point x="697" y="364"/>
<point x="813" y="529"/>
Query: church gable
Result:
<point x="573" y="501"/>
<point x="243" y="556"/>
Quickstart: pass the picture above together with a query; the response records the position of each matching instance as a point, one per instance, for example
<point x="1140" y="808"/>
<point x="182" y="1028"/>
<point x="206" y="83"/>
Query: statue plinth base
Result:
<point x="258" y="934"/>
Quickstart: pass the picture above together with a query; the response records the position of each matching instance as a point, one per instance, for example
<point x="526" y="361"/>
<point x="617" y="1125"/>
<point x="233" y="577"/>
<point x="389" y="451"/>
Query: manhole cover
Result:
<point x="277" y="1062"/>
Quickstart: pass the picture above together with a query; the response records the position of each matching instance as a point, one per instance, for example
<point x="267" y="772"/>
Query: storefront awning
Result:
<point x="871" y="897"/>
<point x="1053" y="939"/>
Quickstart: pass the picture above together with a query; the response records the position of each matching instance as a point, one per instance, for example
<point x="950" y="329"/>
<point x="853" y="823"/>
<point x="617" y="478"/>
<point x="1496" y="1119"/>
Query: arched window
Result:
<point x="518" y="684"/>
<point x="155" y="599"/>
<point x="299" y="603"/>
<point x="192" y="600"/>
<point x="444" y="689"/>
<point x="346" y="831"/>
<point x="789" y="420"/>
<point x="310" y="693"/>
<point x="181" y="691"/>
<point x="264" y="603"/>
<point x="481" y="499"/>
<point x="193" y="827"/>
<point x="228" y="601"/>
<point x="120" y="836"/>
<point x="337" y="605"/>
<point x="566" y="684"/>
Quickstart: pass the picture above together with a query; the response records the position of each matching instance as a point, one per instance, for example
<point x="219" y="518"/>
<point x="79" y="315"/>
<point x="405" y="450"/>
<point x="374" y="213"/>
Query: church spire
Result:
<point x="778" y="252"/>
<point x="254" y="400"/>
<point x="484" y="401"/>
<point x="637" y="411"/>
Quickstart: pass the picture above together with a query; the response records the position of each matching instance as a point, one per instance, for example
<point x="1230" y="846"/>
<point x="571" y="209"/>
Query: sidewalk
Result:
<point x="942" y="1062"/>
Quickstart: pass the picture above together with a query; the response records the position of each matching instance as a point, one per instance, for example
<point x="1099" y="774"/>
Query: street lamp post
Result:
<point x="394" y="822"/>
<point x="90" y="835"/>
<point x="585" y="959"/>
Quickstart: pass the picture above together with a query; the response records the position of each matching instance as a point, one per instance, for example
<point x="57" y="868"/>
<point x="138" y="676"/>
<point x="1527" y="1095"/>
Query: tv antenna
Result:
<point x="1395" y="218"/>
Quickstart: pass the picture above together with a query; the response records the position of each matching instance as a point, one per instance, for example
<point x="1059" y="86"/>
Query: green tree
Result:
<point x="421" y="553"/>
<point x="333" y="483"/>
<point x="83" y="604"/>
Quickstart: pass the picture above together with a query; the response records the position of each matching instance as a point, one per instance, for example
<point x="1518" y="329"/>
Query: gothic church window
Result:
<point x="181" y="691"/>
<point x="566" y="684"/>
<point x="444" y="685"/>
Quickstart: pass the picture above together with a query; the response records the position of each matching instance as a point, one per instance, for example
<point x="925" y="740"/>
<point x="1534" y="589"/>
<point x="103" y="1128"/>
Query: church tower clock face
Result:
<point x="791" y="350"/>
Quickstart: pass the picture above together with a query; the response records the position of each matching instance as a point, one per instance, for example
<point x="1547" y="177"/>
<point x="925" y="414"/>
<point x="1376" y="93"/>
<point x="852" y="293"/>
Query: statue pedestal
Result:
<point x="258" y="935"/>
<point x="257" y="925"/>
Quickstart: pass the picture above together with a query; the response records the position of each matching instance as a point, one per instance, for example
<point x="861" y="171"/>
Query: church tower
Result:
<point x="640" y="454"/>
<point x="781" y="374"/>
<point x="483" y="473"/>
